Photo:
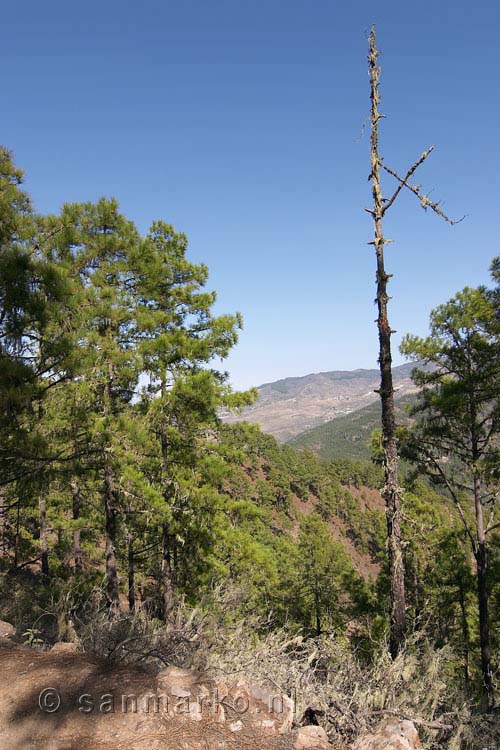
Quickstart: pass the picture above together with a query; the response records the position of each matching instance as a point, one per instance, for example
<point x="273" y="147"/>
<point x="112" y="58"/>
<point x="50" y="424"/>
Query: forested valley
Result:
<point x="135" y="522"/>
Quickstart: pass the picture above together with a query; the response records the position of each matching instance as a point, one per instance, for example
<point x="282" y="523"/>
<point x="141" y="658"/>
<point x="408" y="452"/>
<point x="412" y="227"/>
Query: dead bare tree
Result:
<point x="392" y="492"/>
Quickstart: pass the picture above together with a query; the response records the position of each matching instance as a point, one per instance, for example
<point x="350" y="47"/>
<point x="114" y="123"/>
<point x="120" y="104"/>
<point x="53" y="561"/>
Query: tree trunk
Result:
<point x="131" y="575"/>
<point x="167" y="575"/>
<point x="418" y="603"/>
<point x="167" y="572"/>
<point x="112" y="586"/>
<point x="77" y="549"/>
<point x="484" y="627"/>
<point x="481" y="567"/>
<point x="391" y="491"/>
<point x="3" y="525"/>
<point x="318" y="612"/>
<point x="18" y="532"/>
<point x="465" y="632"/>
<point x="42" y="520"/>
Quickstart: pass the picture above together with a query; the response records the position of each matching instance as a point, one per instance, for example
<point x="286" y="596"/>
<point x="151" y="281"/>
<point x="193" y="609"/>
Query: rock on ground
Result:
<point x="6" y="630"/>
<point x="64" y="648"/>
<point x="242" y="703"/>
<point x="390" y="734"/>
<point x="311" y="738"/>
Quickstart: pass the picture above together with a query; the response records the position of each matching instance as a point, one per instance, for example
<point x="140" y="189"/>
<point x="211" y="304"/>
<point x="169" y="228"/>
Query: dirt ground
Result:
<point x="67" y="701"/>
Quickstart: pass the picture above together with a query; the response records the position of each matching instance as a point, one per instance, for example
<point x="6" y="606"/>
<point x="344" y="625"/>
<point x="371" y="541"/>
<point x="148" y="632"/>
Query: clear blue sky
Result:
<point x="240" y="123"/>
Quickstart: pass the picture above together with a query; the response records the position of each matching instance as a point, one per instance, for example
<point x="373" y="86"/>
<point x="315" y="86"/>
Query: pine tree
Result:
<point x="458" y="423"/>
<point x="96" y="244"/>
<point x="178" y="338"/>
<point x="34" y="348"/>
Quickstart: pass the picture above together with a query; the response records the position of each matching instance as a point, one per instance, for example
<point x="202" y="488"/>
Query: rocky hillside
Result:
<point x="349" y="435"/>
<point x="291" y="406"/>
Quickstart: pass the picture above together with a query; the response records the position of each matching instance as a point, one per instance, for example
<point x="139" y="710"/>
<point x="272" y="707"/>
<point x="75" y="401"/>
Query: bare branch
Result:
<point x="405" y="179"/>
<point x="493" y="527"/>
<point x="425" y="201"/>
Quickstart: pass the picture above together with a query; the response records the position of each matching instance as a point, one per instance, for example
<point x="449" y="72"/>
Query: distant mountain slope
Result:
<point x="289" y="407"/>
<point x="348" y="436"/>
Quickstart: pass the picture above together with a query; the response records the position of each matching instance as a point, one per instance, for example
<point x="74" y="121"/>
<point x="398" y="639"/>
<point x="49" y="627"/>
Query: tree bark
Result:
<point x="481" y="553"/>
<point x="18" y="533"/>
<point x="167" y="577"/>
<point x="167" y="570"/>
<point x="77" y="549"/>
<point x="112" y="582"/>
<point x="112" y="585"/>
<point x="484" y="627"/>
<point x="318" y="611"/>
<point x="131" y="574"/>
<point x="391" y="492"/>
<point x="465" y="632"/>
<point x="3" y="525"/>
<point x="42" y="521"/>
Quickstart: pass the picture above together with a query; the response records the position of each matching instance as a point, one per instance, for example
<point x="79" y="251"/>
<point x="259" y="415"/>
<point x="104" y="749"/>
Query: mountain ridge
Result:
<point x="339" y="374"/>
<point x="290" y="406"/>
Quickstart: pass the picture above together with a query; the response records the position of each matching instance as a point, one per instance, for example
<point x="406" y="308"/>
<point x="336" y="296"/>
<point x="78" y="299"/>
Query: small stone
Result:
<point x="236" y="726"/>
<point x="311" y="738"/>
<point x="269" y="724"/>
<point x="64" y="648"/>
<point x="6" y="629"/>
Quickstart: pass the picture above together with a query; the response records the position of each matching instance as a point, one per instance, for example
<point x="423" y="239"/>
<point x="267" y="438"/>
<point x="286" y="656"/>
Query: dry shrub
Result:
<point x="138" y="639"/>
<point x="347" y="696"/>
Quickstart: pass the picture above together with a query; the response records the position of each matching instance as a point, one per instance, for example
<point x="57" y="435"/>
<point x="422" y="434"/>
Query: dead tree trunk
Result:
<point x="392" y="492"/>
